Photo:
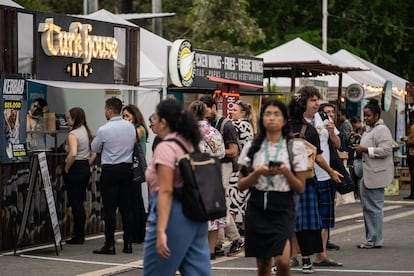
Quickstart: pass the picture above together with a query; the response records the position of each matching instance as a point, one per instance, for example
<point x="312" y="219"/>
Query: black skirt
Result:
<point x="270" y="217"/>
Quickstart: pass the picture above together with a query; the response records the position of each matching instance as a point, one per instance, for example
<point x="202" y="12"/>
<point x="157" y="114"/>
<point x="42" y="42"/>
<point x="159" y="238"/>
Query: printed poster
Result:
<point x="13" y="106"/>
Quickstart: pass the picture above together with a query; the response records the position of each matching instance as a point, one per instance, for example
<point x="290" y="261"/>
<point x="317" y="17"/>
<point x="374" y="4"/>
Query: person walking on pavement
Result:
<point x="230" y="138"/>
<point x="378" y="173"/>
<point x="115" y="141"/>
<point x="213" y="144"/>
<point x="77" y="170"/>
<point x="270" y="213"/>
<point x="173" y="241"/>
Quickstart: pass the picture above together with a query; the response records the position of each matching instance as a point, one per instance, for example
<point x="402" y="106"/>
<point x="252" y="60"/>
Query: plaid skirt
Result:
<point x="308" y="217"/>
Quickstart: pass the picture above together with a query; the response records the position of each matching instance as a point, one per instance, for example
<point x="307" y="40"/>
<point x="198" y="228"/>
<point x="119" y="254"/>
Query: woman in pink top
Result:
<point x="173" y="241"/>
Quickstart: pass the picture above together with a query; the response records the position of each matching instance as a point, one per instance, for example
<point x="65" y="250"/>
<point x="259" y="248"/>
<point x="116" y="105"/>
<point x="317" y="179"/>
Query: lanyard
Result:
<point x="266" y="154"/>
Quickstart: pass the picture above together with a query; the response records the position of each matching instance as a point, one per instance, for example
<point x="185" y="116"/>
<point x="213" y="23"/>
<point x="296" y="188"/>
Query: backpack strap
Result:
<point x="179" y="143"/>
<point x="222" y="122"/>
<point x="290" y="153"/>
<point x="303" y="130"/>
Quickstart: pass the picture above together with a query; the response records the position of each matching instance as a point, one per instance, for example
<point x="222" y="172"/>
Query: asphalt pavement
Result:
<point x="394" y="258"/>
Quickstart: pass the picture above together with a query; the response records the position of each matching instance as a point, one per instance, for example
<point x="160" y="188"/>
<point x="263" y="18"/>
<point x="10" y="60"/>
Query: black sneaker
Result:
<point x="219" y="251"/>
<point x="307" y="267"/>
<point x="235" y="248"/>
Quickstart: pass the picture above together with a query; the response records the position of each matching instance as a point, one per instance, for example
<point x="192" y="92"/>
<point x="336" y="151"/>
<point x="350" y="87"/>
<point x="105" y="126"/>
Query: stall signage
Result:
<point x="181" y="63"/>
<point x="75" y="49"/>
<point x="13" y="106"/>
<point x="189" y="68"/>
<point x="233" y="67"/>
<point x="386" y="96"/>
<point x="77" y="42"/>
<point x="354" y="92"/>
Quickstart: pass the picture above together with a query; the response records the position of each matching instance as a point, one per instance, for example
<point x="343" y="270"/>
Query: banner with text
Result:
<point x="13" y="124"/>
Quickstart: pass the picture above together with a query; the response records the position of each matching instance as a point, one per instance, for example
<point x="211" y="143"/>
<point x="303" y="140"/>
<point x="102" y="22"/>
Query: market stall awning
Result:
<point x="85" y="85"/>
<point x="305" y="69"/>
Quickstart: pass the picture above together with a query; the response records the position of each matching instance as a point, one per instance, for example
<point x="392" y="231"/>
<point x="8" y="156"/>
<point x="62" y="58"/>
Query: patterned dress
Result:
<point x="238" y="200"/>
<point x="212" y="143"/>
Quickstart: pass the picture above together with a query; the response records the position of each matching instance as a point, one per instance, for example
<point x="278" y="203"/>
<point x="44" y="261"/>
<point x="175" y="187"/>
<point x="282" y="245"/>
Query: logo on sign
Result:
<point x="354" y="93"/>
<point x="181" y="63"/>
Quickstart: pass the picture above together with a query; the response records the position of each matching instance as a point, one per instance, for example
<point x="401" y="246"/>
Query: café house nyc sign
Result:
<point x="76" y="43"/>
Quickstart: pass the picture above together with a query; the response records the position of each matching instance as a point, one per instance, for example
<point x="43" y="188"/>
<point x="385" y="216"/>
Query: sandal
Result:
<point x="327" y="262"/>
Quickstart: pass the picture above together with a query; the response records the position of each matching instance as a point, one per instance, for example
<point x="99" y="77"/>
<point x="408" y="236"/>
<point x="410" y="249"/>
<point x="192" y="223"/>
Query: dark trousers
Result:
<point x="410" y="163"/>
<point x="139" y="217"/>
<point x="76" y="181"/>
<point x="116" y="186"/>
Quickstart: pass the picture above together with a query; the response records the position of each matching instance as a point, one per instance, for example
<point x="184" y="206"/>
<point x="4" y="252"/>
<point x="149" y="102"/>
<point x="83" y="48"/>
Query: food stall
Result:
<point x="228" y="77"/>
<point x="67" y="61"/>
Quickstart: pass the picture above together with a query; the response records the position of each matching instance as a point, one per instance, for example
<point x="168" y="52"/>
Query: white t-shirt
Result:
<point x="278" y="182"/>
<point x="320" y="173"/>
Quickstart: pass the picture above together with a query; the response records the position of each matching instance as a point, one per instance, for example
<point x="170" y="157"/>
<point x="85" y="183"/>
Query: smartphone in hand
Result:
<point x="274" y="164"/>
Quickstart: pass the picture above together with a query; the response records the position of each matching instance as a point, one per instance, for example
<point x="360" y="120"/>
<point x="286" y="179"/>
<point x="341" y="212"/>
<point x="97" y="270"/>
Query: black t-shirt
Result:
<point x="229" y="136"/>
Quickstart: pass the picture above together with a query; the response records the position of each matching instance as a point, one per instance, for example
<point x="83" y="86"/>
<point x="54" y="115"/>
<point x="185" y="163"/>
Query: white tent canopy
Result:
<point x="9" y="3"/>
<point x="298" y="50"/>
<point x="376" y="77"/>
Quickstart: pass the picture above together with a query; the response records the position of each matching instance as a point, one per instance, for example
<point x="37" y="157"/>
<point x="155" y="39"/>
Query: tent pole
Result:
<point x="338" y="103"/>
<point x="292" y="80"/>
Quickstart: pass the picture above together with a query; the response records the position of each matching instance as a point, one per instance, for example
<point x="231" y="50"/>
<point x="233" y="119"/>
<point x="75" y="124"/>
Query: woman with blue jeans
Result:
<point x="173" y="241"/>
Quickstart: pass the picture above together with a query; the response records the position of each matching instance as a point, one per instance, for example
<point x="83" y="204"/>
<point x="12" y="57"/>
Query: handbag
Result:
<point x="139" y="164"/>
<point x="347" y="184"/>
<point x="310" y="149"/>
<point x="203" y="196"/>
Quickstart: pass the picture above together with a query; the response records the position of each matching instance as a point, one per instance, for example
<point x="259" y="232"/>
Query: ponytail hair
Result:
<point x="250" y="114"/>
<point x="179" y="120"/>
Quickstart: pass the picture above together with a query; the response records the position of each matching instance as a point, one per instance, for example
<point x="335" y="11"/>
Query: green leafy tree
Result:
<point x="223" y="25"/>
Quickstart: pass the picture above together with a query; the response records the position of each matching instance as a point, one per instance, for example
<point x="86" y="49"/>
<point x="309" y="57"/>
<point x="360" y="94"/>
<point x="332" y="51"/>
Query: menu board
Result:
<point x="13" y="106"/>
<point x="49" y="196"/>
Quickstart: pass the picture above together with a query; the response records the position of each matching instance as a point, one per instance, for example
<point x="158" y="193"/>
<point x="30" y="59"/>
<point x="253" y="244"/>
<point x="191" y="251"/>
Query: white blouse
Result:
<point x="278" y="182"/>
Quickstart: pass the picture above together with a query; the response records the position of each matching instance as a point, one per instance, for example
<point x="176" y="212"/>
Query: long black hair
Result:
<point x="261" y="135"/>
<point x="179" y="120"/>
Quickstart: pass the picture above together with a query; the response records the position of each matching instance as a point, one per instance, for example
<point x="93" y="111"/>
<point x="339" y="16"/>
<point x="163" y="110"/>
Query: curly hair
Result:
<point x="298" y="103"/>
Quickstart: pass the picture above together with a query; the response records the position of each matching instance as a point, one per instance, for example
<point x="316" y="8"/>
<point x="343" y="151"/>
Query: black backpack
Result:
<point x="203" y="196"/>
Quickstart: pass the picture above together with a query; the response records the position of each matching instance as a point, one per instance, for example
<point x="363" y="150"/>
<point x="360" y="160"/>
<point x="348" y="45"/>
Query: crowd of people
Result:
<point x="277" y="208"/>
